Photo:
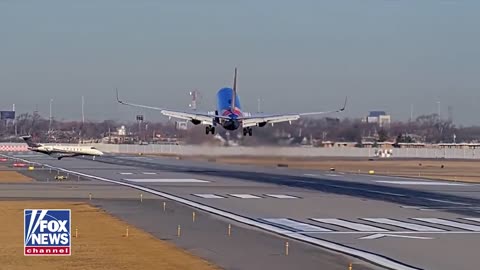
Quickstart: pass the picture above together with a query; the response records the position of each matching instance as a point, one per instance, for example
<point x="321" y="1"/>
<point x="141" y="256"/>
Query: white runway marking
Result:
<point x="295" y="225"/>
<point x="386" y="193"/>
<point x="167" y="180"/>
<point x="421" y="183"/>
<point x="473" y="219"/>
<point x="381" y="260"/>
<point x="449" y="202"/>
<point x="209" y="196"/>
<point x="405" y="225"/>
<point x="379" y="235"/>
<point x="350" y="225"/>
<point x="449" y="223"/>
<point x="126" y="173"/>
<point x="245" y="196"/>
<point x="281" y="196"/>
<point x="366" y="190"/>
<point x="149" y="173"/>
<point x="440" y="208"/>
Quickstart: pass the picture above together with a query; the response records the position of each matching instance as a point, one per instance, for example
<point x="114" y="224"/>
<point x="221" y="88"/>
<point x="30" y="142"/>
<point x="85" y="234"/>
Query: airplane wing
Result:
<point x="204" y="118"/>
<point x="272" y="119"/>
<point x="60" y="156"/>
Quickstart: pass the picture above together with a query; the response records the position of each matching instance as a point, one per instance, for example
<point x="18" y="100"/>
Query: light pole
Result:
<point x="50" y="123"/>
<point x="438" y="109"/>
<point x="83" y="110"/>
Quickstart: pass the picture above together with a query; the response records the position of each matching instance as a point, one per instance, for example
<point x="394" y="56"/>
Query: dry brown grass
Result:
<point x="13" y="177"/>
<point x="101" y="243"/>
<point x="455" y="170"/>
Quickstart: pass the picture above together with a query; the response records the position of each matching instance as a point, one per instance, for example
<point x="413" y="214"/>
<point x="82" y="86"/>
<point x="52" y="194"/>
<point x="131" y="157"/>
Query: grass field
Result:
<point x="13" y="177"/>
<point x="454" y="170"/>
<point x="101" y="243"/>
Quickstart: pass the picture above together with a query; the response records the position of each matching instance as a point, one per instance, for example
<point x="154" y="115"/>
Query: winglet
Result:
<point x="234" y="92"/>
<point x="344" y="105"/>
<point x="118" y="99"/>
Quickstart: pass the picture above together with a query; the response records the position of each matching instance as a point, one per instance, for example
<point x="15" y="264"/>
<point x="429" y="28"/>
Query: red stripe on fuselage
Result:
<point x="237" y="112"/>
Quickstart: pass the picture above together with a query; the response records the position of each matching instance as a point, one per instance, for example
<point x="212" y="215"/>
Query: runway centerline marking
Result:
<point x="350" y="225"/>
<point x="449" y="202"/>
<point x="402" y="224"/>
<point x="209" y="196"/>
<point x="394" y="232"/>
<point x="421" y="183"/>
<point x="449" y="223"/>
<point x="245" y="196"/>
<point x="295" y="225"/>
<point x="146" y="180"/>
<point x="472" y="219"/>
<point x="367" y="190"/>
<point x="426" y="208"/>
<point x="381" y="235"/>
<point x="281" y="196"/>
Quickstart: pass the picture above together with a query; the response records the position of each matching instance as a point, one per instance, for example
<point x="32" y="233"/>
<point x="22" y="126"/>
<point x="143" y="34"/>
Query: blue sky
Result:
<point x="296" y="55"/>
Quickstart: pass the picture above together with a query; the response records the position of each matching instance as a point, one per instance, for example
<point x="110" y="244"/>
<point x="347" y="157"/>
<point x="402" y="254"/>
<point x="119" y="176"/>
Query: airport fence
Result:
<point x="196" y="150"/>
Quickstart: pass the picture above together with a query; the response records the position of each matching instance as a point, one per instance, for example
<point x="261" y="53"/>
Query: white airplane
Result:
<point x="61" y="151"/>
<point x="229" y="114"/>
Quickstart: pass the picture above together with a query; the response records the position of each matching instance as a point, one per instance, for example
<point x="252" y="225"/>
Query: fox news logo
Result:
<point x="47" y="232"/>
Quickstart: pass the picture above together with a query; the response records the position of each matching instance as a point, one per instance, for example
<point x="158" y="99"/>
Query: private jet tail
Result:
<point x="30" y="143"/>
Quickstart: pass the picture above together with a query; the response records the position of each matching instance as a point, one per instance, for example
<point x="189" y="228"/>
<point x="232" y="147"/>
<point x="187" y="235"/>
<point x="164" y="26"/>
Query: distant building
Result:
<point x="181" y="125"/>
<point x="122" y="131"/>
<point x="379" y="117"/>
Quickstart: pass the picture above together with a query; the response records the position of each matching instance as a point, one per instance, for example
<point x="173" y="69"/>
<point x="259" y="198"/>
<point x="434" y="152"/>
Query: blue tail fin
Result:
<point x="234" y="92"/>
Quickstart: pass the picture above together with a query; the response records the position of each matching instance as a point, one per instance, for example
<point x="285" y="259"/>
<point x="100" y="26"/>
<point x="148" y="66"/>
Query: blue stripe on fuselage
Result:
<point x="224" y="100"/>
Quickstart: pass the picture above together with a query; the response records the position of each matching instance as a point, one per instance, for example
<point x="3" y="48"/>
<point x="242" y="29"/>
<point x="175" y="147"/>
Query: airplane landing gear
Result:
<point x="209" y="129"/>
<point x="247" y="130"/>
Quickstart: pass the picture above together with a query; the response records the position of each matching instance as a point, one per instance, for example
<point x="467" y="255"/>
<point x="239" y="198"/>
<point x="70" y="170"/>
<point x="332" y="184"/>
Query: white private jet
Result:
<point x="61" y="151"/>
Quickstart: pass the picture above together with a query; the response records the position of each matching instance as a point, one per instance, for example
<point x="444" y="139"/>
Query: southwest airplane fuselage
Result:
<point x="224" y="108"/>
<point x="229" y="113"/>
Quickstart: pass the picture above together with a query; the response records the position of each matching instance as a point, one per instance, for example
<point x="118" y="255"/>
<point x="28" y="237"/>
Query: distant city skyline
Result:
<point x="294" y="55"/>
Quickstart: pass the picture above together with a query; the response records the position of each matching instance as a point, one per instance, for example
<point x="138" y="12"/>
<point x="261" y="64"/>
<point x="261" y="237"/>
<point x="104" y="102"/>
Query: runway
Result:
<point x="396" y="222"/>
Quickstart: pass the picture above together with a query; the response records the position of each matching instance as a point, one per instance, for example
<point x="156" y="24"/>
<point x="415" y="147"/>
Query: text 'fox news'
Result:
<point x="47" y="232"/>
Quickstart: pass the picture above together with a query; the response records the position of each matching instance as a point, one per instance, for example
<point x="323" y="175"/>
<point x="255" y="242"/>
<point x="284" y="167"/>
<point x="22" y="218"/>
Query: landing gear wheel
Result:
<point x="247" y="131"/>
<point x="209" y="129"/>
